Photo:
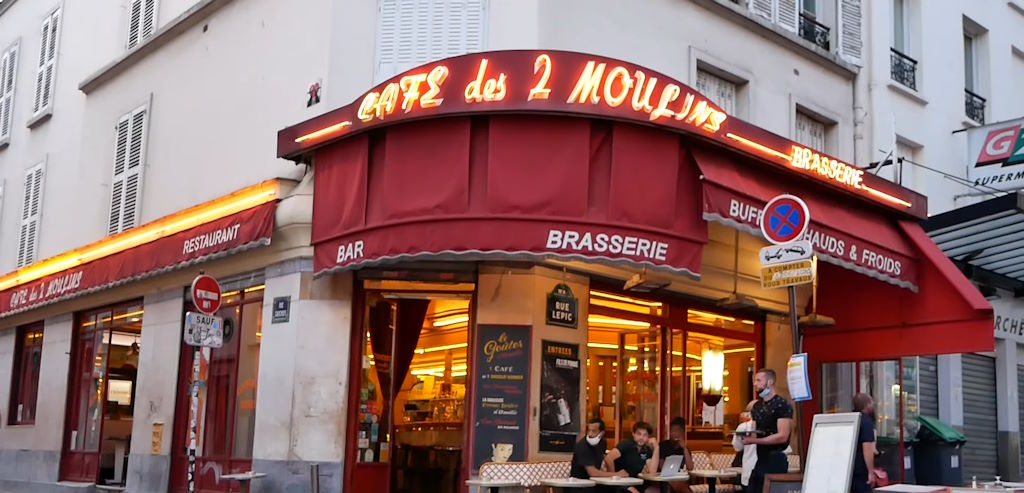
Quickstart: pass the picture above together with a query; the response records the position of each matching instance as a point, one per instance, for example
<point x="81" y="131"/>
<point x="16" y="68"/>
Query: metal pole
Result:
<point x="794" y="324"/>
<point x="193" y="419"/>
<point x="314" y="478"/>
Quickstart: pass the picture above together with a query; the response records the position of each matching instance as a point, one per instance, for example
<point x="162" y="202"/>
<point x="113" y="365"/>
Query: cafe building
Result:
<point x="531" y="238"/>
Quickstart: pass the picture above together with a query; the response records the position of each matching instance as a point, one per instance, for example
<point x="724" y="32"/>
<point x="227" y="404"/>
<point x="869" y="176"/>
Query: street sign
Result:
<point x="785" y="219"/>
<point x="791" y="274"/>
<point x="204" y="330"/>
<point x="789" y="252"/>
<point x="206" y="294"/>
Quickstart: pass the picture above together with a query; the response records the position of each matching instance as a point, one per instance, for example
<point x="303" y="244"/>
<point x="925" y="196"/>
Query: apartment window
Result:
<point x="31" y="211"/>
<point x="902" y="68"/>
<point x="8" y="75"/>
<point x="904" y="159"/>
<point x="900" y="26"/>
<point x="414" y="32"/>
<point x="720" y="91"/>
<point x="974" y="103"/>
<point x="126" y="184"/>
<point x="25" y="384"/>
<point x="809" y="131"/>
<point x="141" y="21"/>
<point x="47" y="68"/>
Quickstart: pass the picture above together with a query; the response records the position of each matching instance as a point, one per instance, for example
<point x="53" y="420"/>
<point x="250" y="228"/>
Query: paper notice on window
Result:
<point x="796" y="376"/>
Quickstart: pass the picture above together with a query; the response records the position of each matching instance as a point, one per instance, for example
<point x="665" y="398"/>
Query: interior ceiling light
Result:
<point x="599" y="320"/>
<point x="625" y="299"/>
<point x="446" y="321"/>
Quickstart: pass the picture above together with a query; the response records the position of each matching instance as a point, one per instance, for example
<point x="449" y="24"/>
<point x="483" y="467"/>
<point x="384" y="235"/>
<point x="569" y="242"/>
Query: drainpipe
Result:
<point x="863" y="86"/>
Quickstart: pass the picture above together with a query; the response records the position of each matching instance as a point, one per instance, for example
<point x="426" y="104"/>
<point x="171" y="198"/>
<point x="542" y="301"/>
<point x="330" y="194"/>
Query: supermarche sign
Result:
<point x="788" y="274"/>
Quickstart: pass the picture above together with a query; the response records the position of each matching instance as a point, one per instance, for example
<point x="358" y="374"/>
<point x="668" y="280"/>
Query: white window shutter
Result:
<point x="47" y="69"/>
<point x="134" y="23"/>
<point x="387" y="53"/>
<point x="850" y="37"/>
<point x="8" y="76"/>
<point x="788" y="14"/>
<point x="148" y="18"/>
<point x="41" y="68"/>
<point x="30" y="213"/>
<point x="720" y="91"/>
<point x="413" y="32"/>
<point x="126" y="184"/>
<point x="121" y="134"/>
<point x="809" y="132"/>
<point x="763" y="8"/>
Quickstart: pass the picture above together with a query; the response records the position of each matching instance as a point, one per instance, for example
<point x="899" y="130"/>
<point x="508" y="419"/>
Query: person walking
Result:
<point x="864" y="478"/>
<point x="773" y="418"/>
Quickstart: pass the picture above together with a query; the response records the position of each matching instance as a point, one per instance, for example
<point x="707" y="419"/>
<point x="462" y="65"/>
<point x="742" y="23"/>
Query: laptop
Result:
<point x="672" y="465"/>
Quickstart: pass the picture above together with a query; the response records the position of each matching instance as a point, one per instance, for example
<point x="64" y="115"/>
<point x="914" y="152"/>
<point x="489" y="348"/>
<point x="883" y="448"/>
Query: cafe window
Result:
<point x="25" y="384"/>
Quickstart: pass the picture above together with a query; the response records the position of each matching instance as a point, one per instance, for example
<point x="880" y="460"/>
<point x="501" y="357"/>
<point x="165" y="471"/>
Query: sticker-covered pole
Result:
<point x="193" y="419"/>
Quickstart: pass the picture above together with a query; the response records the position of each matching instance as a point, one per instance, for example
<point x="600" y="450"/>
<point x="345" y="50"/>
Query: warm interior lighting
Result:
<point x="166" y="226"/>
<point x="712" y="376"/>
<point x="253" y="289"/>
<point x="599" y="320"/>
<point x="693" y="356"/>
<point x="446" y="321"/>
<point x="602" y="345"/>
<point x="441" y="348"/>
<point x="710" y="315"/>
<point x="324" y="131"/>
<point x="439" y="371"/>
<point x="740" y="350"/>
<point x="625" y="299"/>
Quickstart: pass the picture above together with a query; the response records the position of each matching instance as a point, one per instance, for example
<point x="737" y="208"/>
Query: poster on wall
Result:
<point x="559" y="396"/>
<point x="502" y="384"/>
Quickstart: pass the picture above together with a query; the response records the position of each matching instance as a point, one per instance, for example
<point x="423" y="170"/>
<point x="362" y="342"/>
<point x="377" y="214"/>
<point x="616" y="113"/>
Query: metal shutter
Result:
<point x="928" y="374"/>
<point x="980" y="425"/>
<point x="1020" y="403"/>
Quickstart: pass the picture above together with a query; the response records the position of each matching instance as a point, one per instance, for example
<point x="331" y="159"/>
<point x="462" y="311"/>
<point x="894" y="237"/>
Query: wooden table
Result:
<point x="713" y="476"/>
<point x="618" y="481"/>
<point x="492" y="485"/>
<point x="664" y="482"/>
<point x="566" y="483"/>
<point x="244" y="479"/>
<point x="911" y="488"/>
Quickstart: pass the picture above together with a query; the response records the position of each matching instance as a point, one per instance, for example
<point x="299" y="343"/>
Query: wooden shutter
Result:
<point x="126" y="184"/>
<point x="30" y="213"/>
<point x="413" y="32"/>
<point x="850" y="38"/>
<point x="788" y="14"/>
<point x="8" y="76"/>
<point x="46" y="73"/>
<point x="720" y="91"/>
<point x="763" y="8"/>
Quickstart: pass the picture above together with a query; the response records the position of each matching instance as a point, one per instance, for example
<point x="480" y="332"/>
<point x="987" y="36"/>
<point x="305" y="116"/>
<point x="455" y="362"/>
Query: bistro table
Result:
<point x="618" y="481"/>
<point x="244" y="479"/>
<point x="566" y="483"/>
<point x="714" y="475"/>
<point x="911" y="488"/>
<point x="492" y="485"/>
<point x="664" y="481"/>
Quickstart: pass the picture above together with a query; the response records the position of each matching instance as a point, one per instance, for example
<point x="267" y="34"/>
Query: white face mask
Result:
<point x="593" y="441"/>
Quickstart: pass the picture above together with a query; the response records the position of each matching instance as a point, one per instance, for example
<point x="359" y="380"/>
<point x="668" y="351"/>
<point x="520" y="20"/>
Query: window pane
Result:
<point x="374" y="398"/>
<point x="810" y="132"/>
<point x="248" y="371"/>
<point x="911" y="396"/>
<point x="602" y="379"/>
<point x="899" y="26"/>
<point x="810" y="6"/>
<point x="93" y="389"/>
<point x="838" y="381"/>
<point x="220" y="387"/>
<point x="968" y="62"/>
<point x="640" y="379"/>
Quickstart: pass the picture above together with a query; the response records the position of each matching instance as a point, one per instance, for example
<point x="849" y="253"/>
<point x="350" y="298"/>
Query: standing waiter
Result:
<point x="773" y="417"/>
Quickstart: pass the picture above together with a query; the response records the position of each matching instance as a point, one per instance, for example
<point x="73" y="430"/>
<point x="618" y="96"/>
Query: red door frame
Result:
<point x="178" y="481"/>
<point x="376" y="476"/>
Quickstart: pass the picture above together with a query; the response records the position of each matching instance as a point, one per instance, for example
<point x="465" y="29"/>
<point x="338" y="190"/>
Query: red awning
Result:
<point x="853" y="236"/>
<point x="946" y="315"/>
<point x="503" y="187"/>
<point x="238" y="232"/>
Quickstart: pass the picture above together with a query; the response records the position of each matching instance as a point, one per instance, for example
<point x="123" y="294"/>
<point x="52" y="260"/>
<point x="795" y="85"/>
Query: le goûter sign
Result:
<point x="558" y="82"/>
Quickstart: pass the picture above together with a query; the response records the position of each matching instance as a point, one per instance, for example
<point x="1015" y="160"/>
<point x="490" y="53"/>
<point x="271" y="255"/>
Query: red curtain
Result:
<point x="408" y="324"/>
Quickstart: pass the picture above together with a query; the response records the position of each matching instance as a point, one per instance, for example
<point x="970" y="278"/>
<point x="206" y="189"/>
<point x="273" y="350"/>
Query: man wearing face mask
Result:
<point x="864" y="461"/>
<point x="773" y="417"/>
<point x="588" y="454"/>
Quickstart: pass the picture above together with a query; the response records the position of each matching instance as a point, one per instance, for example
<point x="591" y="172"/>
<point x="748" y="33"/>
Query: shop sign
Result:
<point x="995" y="155"/>
<point x="204" y="330"/>
<point x="282" y="310"/>
<point x="562" y="307"/>
<point x="559" y="396"/>
<point x="784" y="275"/>
<point x="1009" y="319"/>
<point x="789" y="252"/>
<point x="502" y="393"/>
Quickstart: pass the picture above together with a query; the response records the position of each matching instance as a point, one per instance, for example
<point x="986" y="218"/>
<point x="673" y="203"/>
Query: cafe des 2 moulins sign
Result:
<point x="562" y="307"/>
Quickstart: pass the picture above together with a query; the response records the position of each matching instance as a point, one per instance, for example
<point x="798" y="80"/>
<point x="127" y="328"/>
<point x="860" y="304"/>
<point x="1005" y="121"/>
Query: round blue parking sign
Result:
<point x="785" y="219"/>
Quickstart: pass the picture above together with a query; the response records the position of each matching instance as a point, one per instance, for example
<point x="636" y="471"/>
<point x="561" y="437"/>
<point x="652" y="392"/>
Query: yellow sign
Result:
<point x="789" y="274"/>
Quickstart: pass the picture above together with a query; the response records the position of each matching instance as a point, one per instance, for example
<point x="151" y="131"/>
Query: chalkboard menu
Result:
<point x="502" y="385"/>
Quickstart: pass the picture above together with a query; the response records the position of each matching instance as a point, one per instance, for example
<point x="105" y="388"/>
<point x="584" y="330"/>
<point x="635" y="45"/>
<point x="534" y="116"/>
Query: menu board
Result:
<point x="559" y="396"/>
<point x="502" y="385"/>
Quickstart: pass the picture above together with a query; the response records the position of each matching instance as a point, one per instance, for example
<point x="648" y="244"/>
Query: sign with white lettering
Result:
<point x="282" y="310"/>
<point x="562" y="307"/>
<point x="789" y="252"/>
<point x="791" y="274"/>
<point x="203" y="330"/>
<point x="1009" y="319"/>
<point x="995" y="155"/>
<point x="206" y="294"/>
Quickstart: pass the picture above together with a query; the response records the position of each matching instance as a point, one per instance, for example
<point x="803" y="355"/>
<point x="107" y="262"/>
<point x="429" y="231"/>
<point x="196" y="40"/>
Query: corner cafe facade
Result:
<point x="508" y="173"/>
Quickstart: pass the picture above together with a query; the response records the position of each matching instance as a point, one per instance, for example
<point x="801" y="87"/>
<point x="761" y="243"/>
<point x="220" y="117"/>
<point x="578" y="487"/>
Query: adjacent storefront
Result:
<point x="540" y="236"/>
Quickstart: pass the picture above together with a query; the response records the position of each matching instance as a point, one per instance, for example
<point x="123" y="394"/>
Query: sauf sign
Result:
<point x="995" y="155"/>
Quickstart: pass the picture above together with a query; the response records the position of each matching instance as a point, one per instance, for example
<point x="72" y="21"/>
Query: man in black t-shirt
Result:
<point x="675" y="446"/>
<point x="773" y="417"/>
<point x="588" y="454"/>
<point x="637" y="455"/>
<point x="863" y="478"/>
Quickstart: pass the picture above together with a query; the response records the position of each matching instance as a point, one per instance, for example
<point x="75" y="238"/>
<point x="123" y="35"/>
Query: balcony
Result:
<point x="813" y="31"/>
<point x="903" y="68"/>
<point x="974" y="106"/>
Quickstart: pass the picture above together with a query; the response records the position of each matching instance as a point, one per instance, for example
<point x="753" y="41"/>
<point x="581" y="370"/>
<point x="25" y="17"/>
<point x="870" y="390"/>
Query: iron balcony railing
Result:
<point x="813" y="31"/>
<point x="974" y="105"/>
<point x="903" y="68"/>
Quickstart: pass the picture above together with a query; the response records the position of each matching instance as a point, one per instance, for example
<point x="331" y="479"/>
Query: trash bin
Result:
<point x="937" y="454"/>
<point x="900" y="468"/>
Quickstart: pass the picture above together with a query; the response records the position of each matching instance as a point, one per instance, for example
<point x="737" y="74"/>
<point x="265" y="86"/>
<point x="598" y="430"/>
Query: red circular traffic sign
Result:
<point x="206" y="294"/>
<point x="785" y="219"/>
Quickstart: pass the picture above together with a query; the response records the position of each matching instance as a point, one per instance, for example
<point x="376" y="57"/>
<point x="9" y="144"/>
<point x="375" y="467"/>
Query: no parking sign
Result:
<point x="785" y="219"/>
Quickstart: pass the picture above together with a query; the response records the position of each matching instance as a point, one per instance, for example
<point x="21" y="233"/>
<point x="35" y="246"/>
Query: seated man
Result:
<point x="639" y="455"/>
<point x="675" y="446"/>
<point x="588" y="454"/>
